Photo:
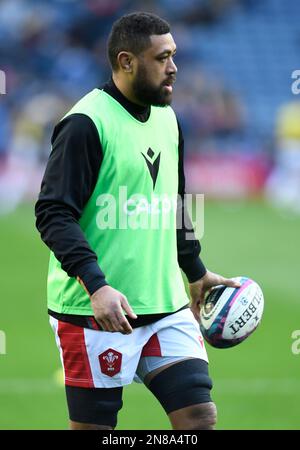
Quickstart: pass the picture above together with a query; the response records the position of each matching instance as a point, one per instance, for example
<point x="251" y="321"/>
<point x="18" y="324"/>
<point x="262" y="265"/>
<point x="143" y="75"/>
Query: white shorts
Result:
<point x="93" y="358"/>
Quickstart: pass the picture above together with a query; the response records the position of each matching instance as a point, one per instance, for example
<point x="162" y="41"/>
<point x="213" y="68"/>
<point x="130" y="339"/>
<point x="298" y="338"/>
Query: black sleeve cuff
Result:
<point x="193" y="268"/>
<point x="91" y="277"/>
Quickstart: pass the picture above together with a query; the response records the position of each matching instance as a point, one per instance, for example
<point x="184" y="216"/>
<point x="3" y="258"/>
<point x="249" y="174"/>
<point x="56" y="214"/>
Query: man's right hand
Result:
<point x="108" y="305"/>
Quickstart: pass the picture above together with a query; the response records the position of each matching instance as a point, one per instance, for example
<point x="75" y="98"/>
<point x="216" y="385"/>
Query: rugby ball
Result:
<point x="229" y="315"/>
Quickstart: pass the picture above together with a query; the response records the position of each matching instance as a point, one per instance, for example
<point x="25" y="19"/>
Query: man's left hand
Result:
<point x="199" y="288"/>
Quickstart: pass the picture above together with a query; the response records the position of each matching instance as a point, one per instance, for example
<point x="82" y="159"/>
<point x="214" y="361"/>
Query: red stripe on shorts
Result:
<point x="76" y="362"/>
<point x="152" y="348"/>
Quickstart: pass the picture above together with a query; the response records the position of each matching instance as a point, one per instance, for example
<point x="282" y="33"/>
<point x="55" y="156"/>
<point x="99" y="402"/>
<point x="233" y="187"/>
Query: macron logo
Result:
<point x="153" y="165"/>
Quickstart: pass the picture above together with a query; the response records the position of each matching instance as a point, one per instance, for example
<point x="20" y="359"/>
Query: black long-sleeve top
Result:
<point x="69" y="180"/>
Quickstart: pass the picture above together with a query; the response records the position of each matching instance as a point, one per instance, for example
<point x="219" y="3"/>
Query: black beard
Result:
<point x="146" y="94"/>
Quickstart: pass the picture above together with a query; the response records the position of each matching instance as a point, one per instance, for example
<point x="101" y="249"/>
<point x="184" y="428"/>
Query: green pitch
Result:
<point x="256" y="385"/>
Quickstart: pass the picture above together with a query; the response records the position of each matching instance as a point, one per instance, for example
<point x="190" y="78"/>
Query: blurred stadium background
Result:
<point x="241" y="122"/>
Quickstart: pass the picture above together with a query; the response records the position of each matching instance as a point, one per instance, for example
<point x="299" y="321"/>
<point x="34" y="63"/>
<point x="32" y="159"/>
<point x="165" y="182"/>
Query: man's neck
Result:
<point x="141" y="113"/>
<point x="126" y="90"/>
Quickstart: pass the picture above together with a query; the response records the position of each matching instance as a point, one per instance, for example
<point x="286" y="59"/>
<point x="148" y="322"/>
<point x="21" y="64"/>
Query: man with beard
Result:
<point x="116" y="297"/>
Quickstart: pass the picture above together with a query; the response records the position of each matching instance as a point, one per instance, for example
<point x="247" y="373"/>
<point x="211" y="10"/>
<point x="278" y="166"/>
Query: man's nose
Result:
<point x="171" y="67"/>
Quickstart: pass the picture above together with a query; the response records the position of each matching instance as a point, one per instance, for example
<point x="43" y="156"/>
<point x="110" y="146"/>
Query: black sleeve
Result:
<point x="188" y="251"/>
<point x="69" y="180"/>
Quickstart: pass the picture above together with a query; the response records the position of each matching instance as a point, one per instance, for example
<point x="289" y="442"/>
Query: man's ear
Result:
<point x="125" y="60"/>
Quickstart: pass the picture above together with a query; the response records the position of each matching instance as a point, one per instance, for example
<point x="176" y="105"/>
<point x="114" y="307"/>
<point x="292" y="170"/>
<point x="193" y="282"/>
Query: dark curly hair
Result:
<point x="132" y="33"/>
